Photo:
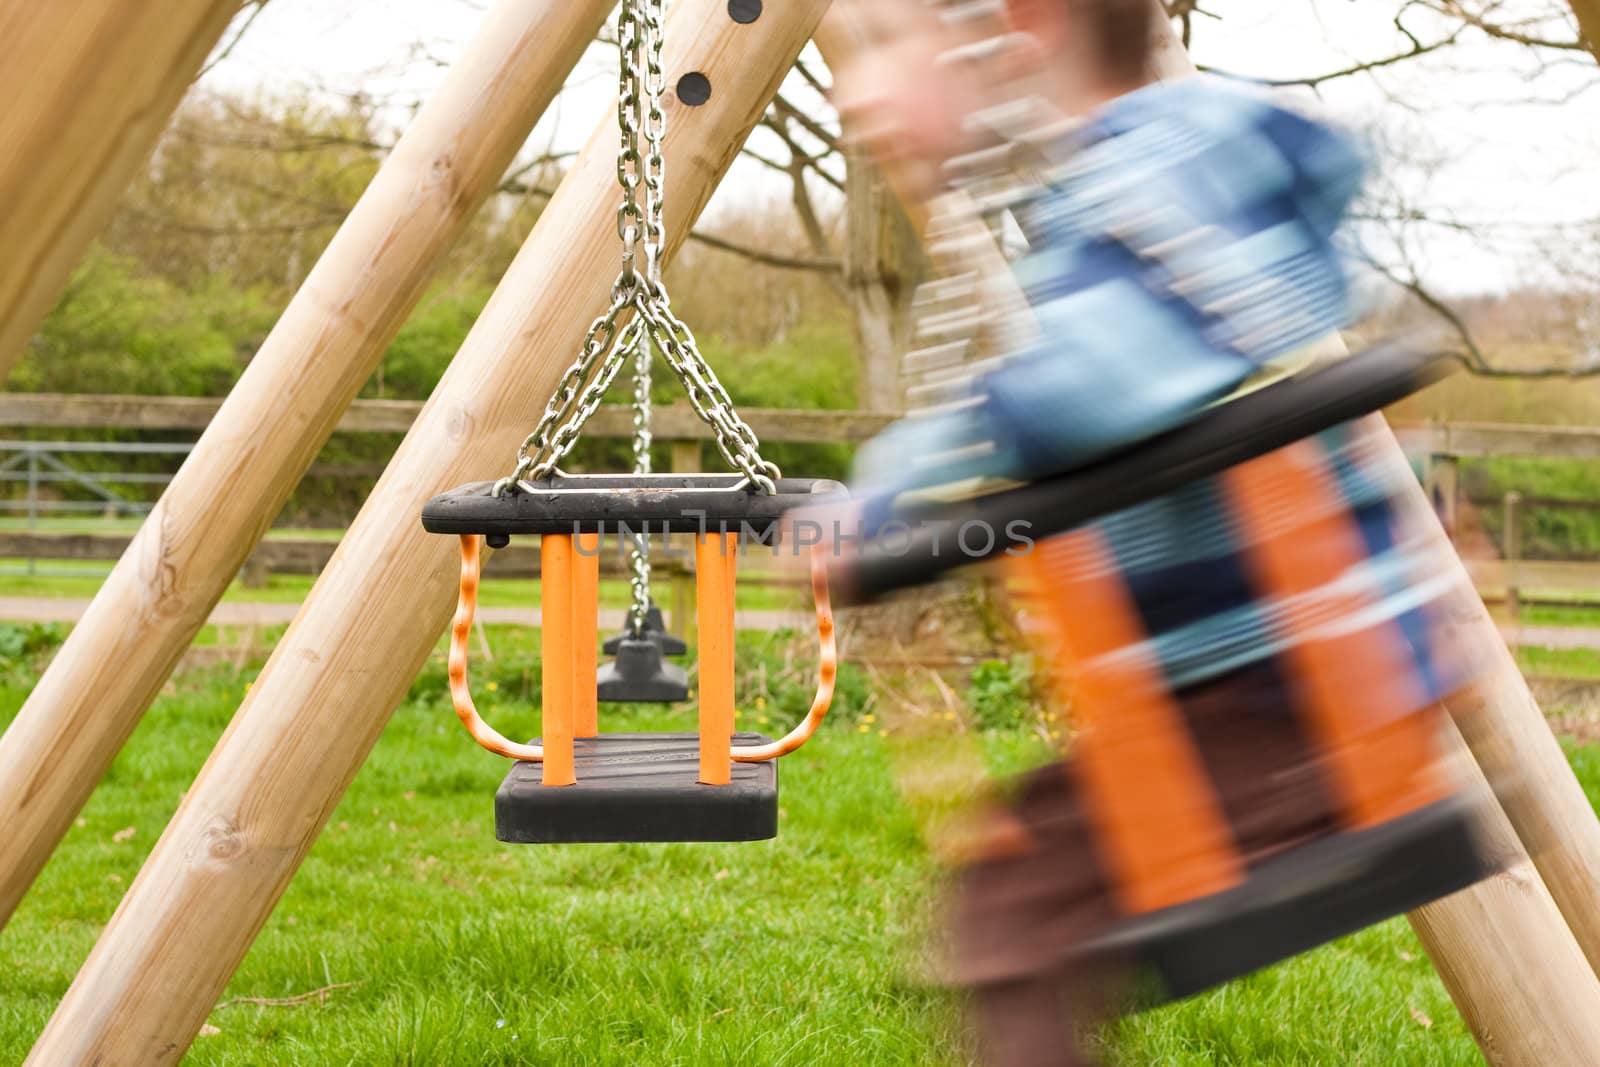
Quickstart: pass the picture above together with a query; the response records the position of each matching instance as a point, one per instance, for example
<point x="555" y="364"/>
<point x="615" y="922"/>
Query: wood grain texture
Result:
<point x="1510" y="964"/>
<point x="1512" y="743"/>
<point x="268" y="431"/>
<point x="88" y="86"/>
<point x="333" y="681"/>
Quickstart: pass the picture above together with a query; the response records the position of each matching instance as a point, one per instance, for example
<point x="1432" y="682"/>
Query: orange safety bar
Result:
<point x="586" y="636"/>
<point x="715" y="558"/>
<point x="558" y="686"/>
<point x="1145" y="787"/>
<point x="1381" y="748"/>
<point x="460" y="634"/>
<point x="827" y="674"/>
<point x="571" y="583"/>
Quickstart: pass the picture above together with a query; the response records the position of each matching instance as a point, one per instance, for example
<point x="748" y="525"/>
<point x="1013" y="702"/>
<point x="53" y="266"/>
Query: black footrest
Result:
<point x="639" y="787"/>
<point x="1309" y="896"/>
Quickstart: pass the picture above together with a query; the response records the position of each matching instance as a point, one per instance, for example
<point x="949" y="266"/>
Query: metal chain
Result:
<point x="578" y="396"/>
<point x="639" y="551"/>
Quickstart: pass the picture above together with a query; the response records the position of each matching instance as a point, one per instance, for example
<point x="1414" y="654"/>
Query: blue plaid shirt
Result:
<point x="1181" y="242"/>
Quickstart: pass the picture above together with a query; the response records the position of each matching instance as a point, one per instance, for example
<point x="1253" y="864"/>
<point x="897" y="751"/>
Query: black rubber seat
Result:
<point x="640" y="674"/>
<point x="1308" y="896"/>
<point x="639" y="787"/>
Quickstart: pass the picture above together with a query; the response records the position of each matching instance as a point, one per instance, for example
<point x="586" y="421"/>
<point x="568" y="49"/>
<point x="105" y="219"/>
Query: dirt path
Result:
<point x="257" y="613"/>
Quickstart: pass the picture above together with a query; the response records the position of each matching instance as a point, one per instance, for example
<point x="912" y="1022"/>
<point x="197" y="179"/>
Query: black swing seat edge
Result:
<point x="639" y="787"/>
<point x="934" y="540"/>
<point x="1294" y="902"/>
<point x="614" y="503"/>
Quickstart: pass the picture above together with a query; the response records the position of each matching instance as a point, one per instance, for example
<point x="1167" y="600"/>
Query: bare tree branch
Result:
<point x="768" y="161"/>
<point x="1456" y="10"/>
<point x="771" y="259"/>
<point x="806" y="122"/>
<point x="227" y="50"/>
<point x="778" y="124"/>
<point x="1313" y="81"/>
<point x="812" y="80"/>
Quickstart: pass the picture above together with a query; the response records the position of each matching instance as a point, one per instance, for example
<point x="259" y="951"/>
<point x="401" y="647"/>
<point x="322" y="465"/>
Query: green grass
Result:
<point x="1559" y="662"/>
<point x="461" y="950"/>
<point x="1569" y="614"/>
<point x="292" y="589"/>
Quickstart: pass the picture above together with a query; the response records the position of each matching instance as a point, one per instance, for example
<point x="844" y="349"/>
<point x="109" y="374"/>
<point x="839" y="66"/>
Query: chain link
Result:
<point x="639" y="552"/>
<point x="640" y="87"/>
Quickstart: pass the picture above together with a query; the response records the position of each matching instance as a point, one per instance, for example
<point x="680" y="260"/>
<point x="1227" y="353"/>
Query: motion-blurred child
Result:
<point x="1180" y="247"/>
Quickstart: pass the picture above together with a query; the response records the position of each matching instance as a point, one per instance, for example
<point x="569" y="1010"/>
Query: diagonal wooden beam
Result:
<point x="343" y="666"/>
<point x="268" y="431"/>
<point x="88" y="87"/>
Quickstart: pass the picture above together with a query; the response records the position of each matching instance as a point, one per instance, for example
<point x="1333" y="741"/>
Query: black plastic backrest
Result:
<point x="935" y="539"/>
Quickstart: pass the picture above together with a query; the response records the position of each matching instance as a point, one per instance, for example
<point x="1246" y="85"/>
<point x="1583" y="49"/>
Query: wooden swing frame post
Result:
<point x="1522" y="977"/>
<point x="88" y="88"/>
<point x="323" y="348"/>
<point x="373" y="617"/>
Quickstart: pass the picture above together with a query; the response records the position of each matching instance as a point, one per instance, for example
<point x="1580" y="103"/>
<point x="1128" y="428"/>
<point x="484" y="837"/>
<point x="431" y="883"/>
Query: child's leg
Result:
<point x="1023" y="1023"/>
<point x="1016" y="917"/>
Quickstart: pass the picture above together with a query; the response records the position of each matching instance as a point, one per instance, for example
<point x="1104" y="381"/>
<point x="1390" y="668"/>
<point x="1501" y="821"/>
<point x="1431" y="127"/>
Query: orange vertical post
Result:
<point x="1154" y="810"/>
<point x="1382" y="748"/>
<point x="556" y="647"/>
<point x="586" y="636"/>
<point x="715" y="556"/>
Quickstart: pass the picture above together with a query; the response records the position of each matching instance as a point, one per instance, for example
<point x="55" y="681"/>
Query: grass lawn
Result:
<point x="437" y="945"/>
<point x="82" y="580"/>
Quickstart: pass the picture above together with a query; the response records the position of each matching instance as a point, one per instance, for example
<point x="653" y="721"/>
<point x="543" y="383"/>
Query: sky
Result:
<point x="1490" y="139"/>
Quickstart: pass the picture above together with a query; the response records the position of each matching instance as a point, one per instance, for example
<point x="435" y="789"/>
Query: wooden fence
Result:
<point x="670" y="422"/>
<point x="1444" y="445"/>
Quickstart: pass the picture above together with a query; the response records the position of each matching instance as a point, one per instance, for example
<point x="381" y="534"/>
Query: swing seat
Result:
<point x="1195" y="913"/>
<point x="639" y="787"/>
<point x="656" y="630"/>
<point x="1304" y="898"/>
<point x="640" y="675"/>
<point x="638" y="672"/>
<point x="576" y="784"/>
<point x="1223" y="436"/>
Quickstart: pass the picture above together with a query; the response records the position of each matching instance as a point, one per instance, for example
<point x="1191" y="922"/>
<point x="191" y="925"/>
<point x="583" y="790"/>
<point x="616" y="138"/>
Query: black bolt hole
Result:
<point x="694" y="88"/>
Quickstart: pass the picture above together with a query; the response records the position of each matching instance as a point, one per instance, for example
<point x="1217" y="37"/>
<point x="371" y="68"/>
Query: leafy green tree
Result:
<point x="119" y="330"/>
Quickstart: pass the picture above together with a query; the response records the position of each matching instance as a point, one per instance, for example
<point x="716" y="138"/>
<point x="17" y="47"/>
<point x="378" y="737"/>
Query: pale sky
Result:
<point x="1526" y="171"/>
